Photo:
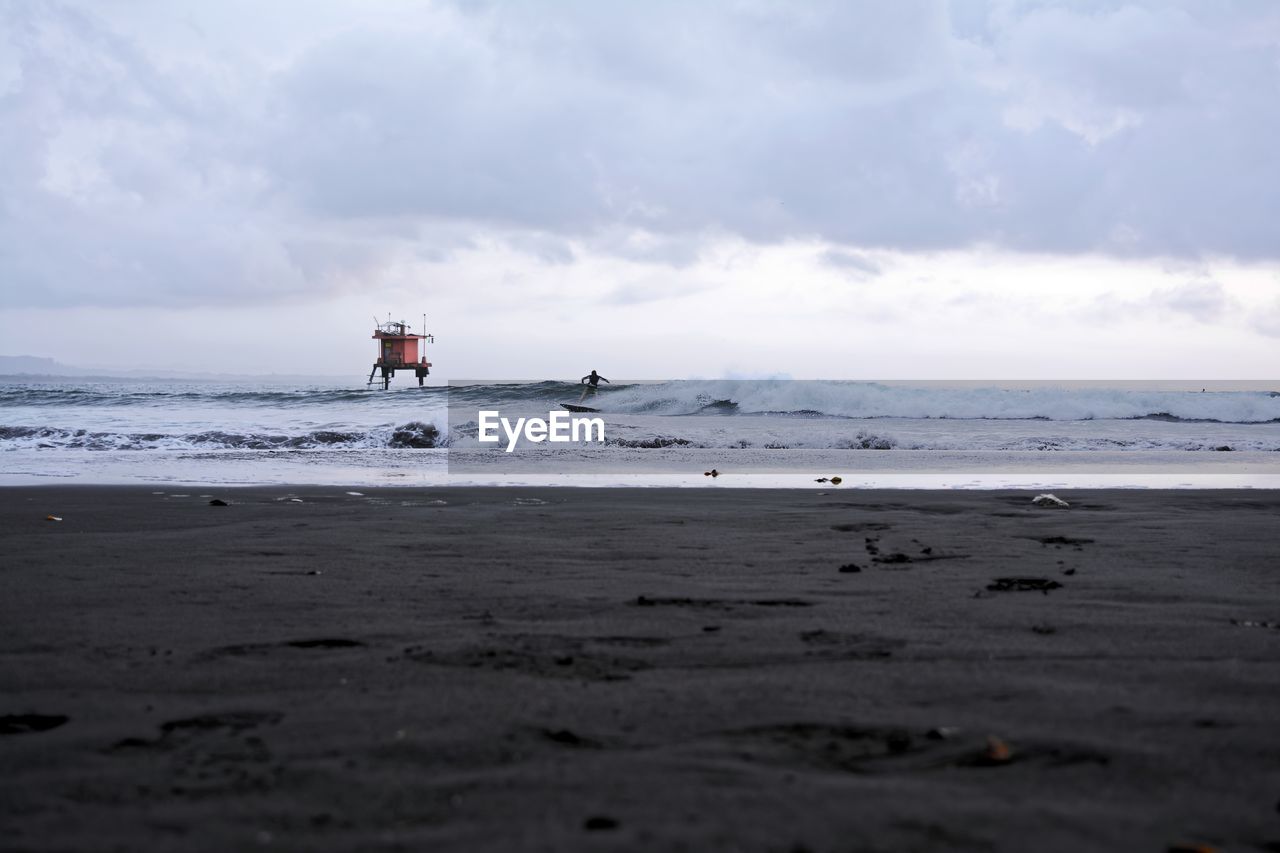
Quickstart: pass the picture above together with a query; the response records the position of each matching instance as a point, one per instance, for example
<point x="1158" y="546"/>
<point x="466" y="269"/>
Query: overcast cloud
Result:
<point x="166" y="153"/>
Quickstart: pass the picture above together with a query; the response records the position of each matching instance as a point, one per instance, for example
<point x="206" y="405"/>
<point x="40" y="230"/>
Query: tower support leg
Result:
<point x="386" y="379"/>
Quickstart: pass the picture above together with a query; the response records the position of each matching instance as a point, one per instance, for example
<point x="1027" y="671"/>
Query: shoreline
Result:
<point x="688" y="476"/>
<point x="570" y="668"/>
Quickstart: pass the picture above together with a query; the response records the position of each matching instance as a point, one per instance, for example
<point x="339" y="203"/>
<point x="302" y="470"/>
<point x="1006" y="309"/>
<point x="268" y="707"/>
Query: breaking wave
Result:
<point x="819" y="398"/>
<point x="415" y="435"/>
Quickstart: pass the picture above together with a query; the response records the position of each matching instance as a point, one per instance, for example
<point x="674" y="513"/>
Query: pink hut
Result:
<point x="399" y="349"/>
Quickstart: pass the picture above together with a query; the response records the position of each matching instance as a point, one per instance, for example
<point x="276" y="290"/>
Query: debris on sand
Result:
<point x="325" y="643"/>
<point x="218" y="502"/>
<point x="835" y="481"/>
<point x="53" y="518"/>
<point x="897" y="741"/>
<point x="599" y="822"/>
<point x="567" y="737"/>
<point x="997" y="752"/>
<point x="820" y="480"/>
<point x="1249" y="623"/>
<point x="21" y="724"/>
<point x="1061" y="540"/>
<point x="1050" y="500"/>
<point x="1023" y="585"/>
<point x="712" y="473"/>
<point x="849" y="568"/>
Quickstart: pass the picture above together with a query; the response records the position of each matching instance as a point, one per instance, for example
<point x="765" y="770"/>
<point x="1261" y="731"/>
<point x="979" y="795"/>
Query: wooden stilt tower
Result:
<point x="399" y="349"/>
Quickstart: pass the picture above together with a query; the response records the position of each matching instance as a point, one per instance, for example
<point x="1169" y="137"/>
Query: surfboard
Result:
<point x="575" y="408"/>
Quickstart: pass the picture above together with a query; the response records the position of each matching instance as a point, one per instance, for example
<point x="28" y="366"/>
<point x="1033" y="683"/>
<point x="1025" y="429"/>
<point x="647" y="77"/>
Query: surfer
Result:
<point x="592" y="380"/>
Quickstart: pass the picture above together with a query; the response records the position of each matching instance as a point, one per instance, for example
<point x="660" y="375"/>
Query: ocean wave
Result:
<point x="118" y="396"/>
<point x="414" y="435"/>
<point x="685" y="398"/>
<point x="654" y="443"/>
<point x="801" y="438"/>
<point x="869" y="400"/>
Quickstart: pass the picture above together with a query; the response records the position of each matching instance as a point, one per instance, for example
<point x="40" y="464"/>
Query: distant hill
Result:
<point x="35" y="367"/>
<point x="30" y="365"/>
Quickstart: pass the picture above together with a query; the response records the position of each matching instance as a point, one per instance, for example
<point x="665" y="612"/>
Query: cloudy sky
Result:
<point x="848" y="190"/>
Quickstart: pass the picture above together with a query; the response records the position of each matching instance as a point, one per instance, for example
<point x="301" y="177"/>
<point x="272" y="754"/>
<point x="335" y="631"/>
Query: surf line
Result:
<point x="559" y="427"/>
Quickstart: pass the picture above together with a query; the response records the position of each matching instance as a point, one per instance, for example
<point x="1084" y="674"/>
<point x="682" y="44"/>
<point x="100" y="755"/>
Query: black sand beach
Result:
<point x="554" y="669"/>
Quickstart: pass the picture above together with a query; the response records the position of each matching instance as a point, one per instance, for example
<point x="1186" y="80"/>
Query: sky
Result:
<point x="848" y="190"/>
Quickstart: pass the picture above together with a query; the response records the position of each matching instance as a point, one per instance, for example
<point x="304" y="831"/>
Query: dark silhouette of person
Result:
<point x="592" y="380"/>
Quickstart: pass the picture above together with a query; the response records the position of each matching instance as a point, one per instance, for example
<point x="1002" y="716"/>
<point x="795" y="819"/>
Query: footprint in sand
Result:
<point x="257" y="649"/>
<point x="175" y="732"/>
<point x="888" y="749"/>
<point x="542" y="656"/>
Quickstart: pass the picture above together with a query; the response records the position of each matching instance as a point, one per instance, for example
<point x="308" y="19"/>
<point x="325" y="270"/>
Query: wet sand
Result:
<point x="552" y="669"/>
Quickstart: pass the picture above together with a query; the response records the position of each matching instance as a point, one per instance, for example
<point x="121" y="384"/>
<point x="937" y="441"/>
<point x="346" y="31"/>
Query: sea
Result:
<point x="711" y="433"/>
